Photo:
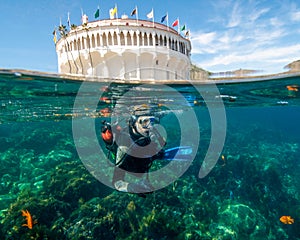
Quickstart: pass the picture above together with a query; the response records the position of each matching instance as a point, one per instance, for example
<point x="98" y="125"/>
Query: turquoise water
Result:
<point x="255" y="181"/>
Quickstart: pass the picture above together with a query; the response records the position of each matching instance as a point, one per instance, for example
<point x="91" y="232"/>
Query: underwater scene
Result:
<point x="55" y="174"/>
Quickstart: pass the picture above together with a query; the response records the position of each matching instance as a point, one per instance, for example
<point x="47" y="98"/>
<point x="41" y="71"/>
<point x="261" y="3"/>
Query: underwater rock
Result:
<point x="53" y="158"/>
<point x="218" y="231"/>
<point x="243" y="220"/>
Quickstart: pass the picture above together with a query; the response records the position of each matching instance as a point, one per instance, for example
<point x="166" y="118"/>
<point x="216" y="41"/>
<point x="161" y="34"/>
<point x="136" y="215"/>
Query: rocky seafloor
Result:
<point x="250" y="188"/>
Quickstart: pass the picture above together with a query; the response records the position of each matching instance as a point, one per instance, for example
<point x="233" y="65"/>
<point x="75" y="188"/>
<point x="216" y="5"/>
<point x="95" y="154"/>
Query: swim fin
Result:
<point x="181" y="153"/>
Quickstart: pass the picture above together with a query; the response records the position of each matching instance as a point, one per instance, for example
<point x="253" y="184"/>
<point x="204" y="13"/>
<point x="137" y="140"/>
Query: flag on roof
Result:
<point x="164" y="18"/>
<point x="175" y="23"/>
<point x="113" y="12"/>
<point x="69" y="23"/>
<point x="133" y="11"/>
<point x="187" y="33"/>
<point x="150" y="14"/>
<point x="54" y="36"/>
<point x="182" y="28"/>
<point x="97" y="13"/>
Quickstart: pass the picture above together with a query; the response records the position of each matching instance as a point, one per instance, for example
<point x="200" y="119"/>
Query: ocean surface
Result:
<point x="244" y="136"/>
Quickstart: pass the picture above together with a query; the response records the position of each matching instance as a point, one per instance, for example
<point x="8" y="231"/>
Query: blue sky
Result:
<point x="225" y="35"/>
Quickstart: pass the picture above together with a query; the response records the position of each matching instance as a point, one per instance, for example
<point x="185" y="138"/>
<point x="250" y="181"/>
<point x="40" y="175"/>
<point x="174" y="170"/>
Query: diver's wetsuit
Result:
<point x="135" y="154"/>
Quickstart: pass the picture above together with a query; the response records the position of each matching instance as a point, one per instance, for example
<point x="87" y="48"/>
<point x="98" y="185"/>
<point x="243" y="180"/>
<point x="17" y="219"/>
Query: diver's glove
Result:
<point x="121" y="186"/>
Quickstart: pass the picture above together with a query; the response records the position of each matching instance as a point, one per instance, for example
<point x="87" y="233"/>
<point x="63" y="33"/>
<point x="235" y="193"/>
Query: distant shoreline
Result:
<point x="21" y="73"/>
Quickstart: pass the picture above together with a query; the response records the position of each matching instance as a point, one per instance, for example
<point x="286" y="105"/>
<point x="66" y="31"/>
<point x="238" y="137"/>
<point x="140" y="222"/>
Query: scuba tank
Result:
<point x="106" y="133"/>
<point x="108" y="137"/>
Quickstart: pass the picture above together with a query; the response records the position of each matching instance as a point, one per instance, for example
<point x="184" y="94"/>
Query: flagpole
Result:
<point x="185" y="29"/>
<point x="69" y="23"/>
<point x="168" y="20"/>
<point x="178" y="26"/>
<point x="153" y="18"/>
<point x="137" y="15"/>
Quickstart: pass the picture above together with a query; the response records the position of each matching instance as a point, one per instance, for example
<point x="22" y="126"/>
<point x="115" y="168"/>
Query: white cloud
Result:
<point x="255" y="37"/>
<point x="257" y="13"/>
<point x="295" y="16"/>
<point x="204" y="38"/>
<point x="255" y="60"/>
<point x="275" y="22"/>
<point x="235" y="17"/>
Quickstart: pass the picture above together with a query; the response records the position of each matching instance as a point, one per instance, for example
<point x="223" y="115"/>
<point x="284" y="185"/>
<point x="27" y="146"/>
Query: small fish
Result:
<point x="231" y="195"/>
<point x="287" y="220"/>
<point x="224" y="160"/>
<point x="28" y="218"/>
<point x="292" y="88"/>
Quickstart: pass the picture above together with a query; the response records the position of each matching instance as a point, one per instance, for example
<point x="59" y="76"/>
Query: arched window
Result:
<point x="122" y="38"/>
<point x="161" y="41"/>
<point x="93" y="41"/>
<point x="79" y="44"/>
<point x="150" y="40"/>
<point x="128" y="36"/>
<point x="82" y="41"/>
<point x="98" y="40"/>
<point x="134" y="39"/>
<point x="109" y="38"/>
<point x="156" y="40"/>
<point x="75" y="45"/>
<point x="88" y="42"/>
<point x="104" y="38"/>
<point x="115" y="39"/>
<point x="145" y="39"/>
<point x="141" y="39"/>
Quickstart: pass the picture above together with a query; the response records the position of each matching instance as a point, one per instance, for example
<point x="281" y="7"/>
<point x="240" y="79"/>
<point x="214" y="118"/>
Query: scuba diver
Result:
<point x="133" y="149"/>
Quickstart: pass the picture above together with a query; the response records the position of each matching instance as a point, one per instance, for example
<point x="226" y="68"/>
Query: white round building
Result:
<point x="125" y="49"/>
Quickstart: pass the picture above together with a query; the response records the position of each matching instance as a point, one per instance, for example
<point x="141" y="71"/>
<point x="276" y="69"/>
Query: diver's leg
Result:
<point x="119" y="174"/>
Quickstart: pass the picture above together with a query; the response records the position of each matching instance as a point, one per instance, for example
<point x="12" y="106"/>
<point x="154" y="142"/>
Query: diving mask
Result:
<point x="147" y="121"/>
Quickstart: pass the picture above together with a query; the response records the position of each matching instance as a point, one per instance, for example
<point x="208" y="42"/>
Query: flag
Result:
<point x="164" y="18"/>
<point x="182" y="28"/>
<point x="187" y="33"/>
<point x="97" y="13"/>
<point x="133" y="12"/>
<point x="175" y="23"/>
<point x="54" y="36"/>
<point x="150" y="14"/>
<point x="69" y="23"/>
<point x="115" y="10"/>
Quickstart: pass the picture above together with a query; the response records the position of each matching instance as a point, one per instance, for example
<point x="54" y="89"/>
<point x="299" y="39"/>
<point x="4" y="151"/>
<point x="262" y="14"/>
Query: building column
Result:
<point x="125" y="37"/>
<point x="118" y="37"/>
<point x="131" y="36"/>
<point x="101" y="39"/>
<point x="138" y="38"/>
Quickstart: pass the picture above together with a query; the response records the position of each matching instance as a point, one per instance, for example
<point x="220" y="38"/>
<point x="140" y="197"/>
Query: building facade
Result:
<point x="126" y="49"/>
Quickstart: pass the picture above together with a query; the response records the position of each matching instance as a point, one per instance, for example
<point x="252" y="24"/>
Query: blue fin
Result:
<point x="182" y="153"/>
